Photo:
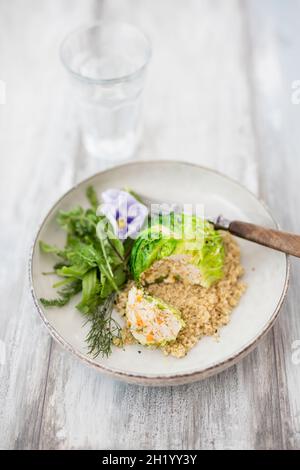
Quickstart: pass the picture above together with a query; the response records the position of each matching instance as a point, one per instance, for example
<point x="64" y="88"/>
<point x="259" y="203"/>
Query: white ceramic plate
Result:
<point x="267" y="273"/>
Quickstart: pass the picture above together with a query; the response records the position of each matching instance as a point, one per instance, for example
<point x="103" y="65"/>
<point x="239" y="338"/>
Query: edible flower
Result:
<point x="124" y="212"/>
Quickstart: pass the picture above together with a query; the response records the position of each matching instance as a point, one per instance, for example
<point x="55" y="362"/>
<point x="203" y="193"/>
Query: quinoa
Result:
<point x="204" y="310"/>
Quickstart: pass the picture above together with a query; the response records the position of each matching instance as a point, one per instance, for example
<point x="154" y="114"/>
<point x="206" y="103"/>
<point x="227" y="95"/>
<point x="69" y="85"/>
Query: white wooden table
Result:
<point x="219" y="93"/>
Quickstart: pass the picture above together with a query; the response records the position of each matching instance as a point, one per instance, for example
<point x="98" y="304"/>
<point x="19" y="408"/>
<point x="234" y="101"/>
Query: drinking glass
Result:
<point x="107" y="65"/>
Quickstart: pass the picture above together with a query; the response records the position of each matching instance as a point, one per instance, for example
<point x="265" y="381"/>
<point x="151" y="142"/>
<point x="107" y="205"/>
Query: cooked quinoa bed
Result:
<point x="204" y="310"/>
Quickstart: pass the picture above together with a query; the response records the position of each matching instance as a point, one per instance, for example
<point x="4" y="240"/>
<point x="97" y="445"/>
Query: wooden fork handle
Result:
<point x="281" y="241"/>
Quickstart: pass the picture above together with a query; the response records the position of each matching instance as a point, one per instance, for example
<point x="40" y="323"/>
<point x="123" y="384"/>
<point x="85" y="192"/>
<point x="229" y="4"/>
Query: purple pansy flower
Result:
<point x="124" y="212"/>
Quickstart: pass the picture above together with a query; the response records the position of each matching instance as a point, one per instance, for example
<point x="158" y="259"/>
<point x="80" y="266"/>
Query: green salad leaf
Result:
<point x="92" y="197"/>
<point x="92" y="262"/>
<point x="180" y="234"/>
<point x="64" y="295"/>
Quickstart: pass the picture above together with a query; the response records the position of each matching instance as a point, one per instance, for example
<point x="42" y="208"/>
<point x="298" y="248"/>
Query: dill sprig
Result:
<point x="103" y="330"/>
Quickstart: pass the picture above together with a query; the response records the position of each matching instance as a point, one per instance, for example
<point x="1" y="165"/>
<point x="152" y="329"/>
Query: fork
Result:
<point x="285" y="242"/>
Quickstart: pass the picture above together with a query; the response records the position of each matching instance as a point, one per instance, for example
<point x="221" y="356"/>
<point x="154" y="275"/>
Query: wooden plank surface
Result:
<point x="37" y="155"/>
<point x="219" y="85"/>
<point x="275" y="68"/>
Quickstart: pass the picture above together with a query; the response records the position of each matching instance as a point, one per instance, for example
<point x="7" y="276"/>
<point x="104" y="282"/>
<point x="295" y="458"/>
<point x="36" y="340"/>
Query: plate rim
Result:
<point x="157" y="379"/>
